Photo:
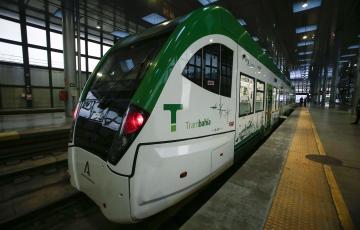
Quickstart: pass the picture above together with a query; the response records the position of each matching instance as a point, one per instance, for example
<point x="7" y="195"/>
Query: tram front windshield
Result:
<point x="102" y="111"/>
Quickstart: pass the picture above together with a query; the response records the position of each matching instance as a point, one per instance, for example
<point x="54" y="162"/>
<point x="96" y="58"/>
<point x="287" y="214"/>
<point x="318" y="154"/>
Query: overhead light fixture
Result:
<point x="305" y="43"/>
<point x="348" y="55"/>
<point x="242" y="22"/>
<point x="120" y="34"/>
<point x="304" y="37"/>
<point x="305" y="5"/>
<point x="98" y="25"/>
<point x="206" y="2"/>
<point x="154" y="18"/>
<point x="57" y="13"/>
<point x="304" y="29"/>
<point x="305" y="53"/>
<point x="354" y="47"/>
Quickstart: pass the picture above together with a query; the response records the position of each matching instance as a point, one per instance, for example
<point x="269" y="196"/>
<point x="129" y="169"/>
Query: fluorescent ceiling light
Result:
<point x="242" y="22"/>
<point x="306" y="59"/>
<point x="304" y="29"/>
<point x="255" y="38"/>
<point x="153" y="18"/>
<point x="58" y="13"/>
<point x="120" y="34"/>
<point x="354" y="47"/>
<point x="348" y="55"/>
<point x="305" y="53"/>
<point x="309" y="4"/>
<point x="305" y="43"/>
<point x="343" y="61"/>
<point x="206" y="2"/>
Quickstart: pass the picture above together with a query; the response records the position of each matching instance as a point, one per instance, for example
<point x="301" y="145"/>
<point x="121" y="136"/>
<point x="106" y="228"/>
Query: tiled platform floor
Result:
<point x="303" y="199"/>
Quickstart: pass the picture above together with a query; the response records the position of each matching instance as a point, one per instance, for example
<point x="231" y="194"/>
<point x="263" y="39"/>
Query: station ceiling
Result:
<point x="273" y="22"/>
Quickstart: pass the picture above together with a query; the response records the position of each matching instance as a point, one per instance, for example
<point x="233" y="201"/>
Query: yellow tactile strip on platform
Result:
<point x="303" y="199"/>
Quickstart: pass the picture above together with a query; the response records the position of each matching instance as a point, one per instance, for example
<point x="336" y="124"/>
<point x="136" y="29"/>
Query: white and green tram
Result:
<point x="167" y="110"/>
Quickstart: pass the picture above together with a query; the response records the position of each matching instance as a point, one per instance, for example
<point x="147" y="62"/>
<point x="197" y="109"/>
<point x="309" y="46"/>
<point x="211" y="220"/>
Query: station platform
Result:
<point x="304" y="176"/>
<point x="24" y="122"/>
<point x="292" y="181"/>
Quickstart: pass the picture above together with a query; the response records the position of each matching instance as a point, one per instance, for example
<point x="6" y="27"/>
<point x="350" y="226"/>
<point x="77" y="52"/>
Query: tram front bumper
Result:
<point x="91" y="175"/>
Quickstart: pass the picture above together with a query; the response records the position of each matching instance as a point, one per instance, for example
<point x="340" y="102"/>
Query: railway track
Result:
<point x="33" y="173"/>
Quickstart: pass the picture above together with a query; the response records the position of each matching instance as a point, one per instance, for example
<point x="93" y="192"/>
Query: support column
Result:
<point x="335" y="72"/>
<point x="324" y="85"/>
<point x="27" y="79"/>
<point x="47" y="24"/>
<point x="69" y="56"/>
<point x="79" y="81"/>
<point x="357" y="85"/>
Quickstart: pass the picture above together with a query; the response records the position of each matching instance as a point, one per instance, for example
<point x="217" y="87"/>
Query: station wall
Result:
<point x="13" y="86"/>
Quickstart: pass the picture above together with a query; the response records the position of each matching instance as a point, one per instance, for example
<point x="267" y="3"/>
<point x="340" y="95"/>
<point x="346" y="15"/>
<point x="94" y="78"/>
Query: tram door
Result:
<point x="269" y="95"/>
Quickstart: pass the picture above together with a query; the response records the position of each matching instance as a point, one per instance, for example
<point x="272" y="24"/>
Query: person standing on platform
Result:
<point x="357" y="113"/>
<point x="301" y="101"/>
<point x="305" y="102"/>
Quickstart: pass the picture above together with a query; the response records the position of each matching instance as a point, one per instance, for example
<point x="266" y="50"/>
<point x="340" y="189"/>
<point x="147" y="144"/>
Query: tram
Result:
<point x="167" y="110"/>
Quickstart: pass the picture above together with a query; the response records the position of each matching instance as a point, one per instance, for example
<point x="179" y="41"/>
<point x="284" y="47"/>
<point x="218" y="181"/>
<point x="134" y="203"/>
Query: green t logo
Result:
<point x="173" y="108"/>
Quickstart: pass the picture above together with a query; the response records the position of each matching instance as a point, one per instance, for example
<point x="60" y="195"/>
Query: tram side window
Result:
<point x="226" y="71"/>
<point x="246" y="95"/>
<point x="274" y="107"/>
<point x="281" y="96"/>
<point x="192" y="70"/>
<point x="212" y="68"/>
<point x="259" y="103"/>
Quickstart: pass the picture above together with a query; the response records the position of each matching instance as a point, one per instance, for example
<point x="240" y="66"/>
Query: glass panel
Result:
<point x="56" y="41"/>
<point x="259" y="103"/>
<point x="35" y="21"/>
<point x="36" y="36"/>
<point x="82" y="45"/>
<point x="57" y="60"/>
<point x="212" y="69"/>
<point x="83" y="63"/>
<point x="246" y="95"/>
<point x="274" y="99"/>
<point x="226" y="71"/>
<point x="260" y="86"/>
<point x="92" y="63"/>
<point x="11" y="53"/>
<point x="9" y="14"/>
<point x="192" y="70"/>
<point x="10" y="30"/>
<point x="105" y="49"/>
<point x="93" y="49"/>
<point x="38" y="57"/>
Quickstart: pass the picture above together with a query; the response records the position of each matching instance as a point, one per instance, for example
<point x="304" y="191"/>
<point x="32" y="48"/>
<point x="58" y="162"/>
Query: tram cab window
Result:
<point x="246" y="95"/>
<point x="259" y="103"/>
<point x="211" y="68"/>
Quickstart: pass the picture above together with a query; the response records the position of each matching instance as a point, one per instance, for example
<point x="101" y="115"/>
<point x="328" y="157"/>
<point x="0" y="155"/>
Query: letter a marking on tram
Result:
<point x="173" y="108"/>
<point x="87" y="168"/>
